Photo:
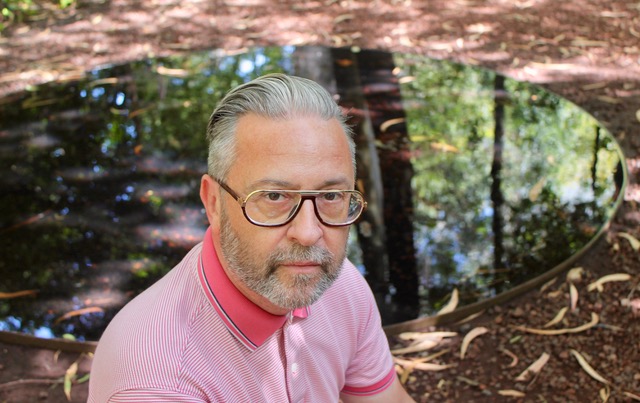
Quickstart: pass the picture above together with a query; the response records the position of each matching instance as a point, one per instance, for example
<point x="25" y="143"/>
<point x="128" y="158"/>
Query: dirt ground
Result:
<point x="585" y="50"/>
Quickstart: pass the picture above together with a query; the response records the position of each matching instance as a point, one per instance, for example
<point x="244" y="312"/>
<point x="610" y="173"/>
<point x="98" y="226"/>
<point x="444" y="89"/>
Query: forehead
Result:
<point x="301" y="150"/>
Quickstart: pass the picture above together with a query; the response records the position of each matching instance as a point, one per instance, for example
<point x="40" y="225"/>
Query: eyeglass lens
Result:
<point x="277" y="207"/>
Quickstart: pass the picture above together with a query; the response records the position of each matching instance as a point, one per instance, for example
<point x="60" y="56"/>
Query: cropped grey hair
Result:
<point x="275" y="96"/>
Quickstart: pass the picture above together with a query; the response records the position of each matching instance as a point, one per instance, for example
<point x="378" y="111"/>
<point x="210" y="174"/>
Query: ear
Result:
<point x="210" y="197"/>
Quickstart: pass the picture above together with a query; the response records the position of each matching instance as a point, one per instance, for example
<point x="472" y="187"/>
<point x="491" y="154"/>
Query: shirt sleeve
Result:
<point x="371" y="370"/>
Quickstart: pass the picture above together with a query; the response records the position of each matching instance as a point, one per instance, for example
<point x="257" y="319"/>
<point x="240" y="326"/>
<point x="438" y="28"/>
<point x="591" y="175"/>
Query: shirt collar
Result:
<point x="249" y="323"/>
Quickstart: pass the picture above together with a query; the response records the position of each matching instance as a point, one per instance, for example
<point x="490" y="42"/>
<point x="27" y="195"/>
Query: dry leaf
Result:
<point x="573" y="295"/>
<point x="609" y="100"/>
<point x="452" y="304"/>
<point x="605" y="394"/>
<point x="534" y="368"/>
<point x="424" y="345"/>
<point x="597" y="285"/>
<point x="68" y="377"/>
<point x="632" y="396"/>
<point x="165" y="71"/>
<point x="575" y="275"/>
<point x="16" y="294"/>
<point x="638" y="115"/>
<point x="83" y="311"/>
<point x="535" y="191"/>
<point x="475" y="332"/>
<point x="587" y="368"/>
<point x="635" y="243"/>
<point x="547" y="332"/>
<point x="421" y="341"/>
<point x="547" y="285"/>
<point x="558" y="318"/>
<point x="423" y="366"/>
<point x="419" y="336"/>
<point x="342" y="18"/>
<point x="514" y="358"/>
<point x="511" y="393"/>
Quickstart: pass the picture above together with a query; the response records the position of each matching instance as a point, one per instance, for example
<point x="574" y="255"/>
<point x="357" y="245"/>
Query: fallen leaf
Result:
<point x="598" y="284"/>
<point x="342" y="18"/>
<point x="68" y="378"/>
<point x="558" y="318"/>
<point x="17" y="294"/>
<point x="575" y="275"/>
<point x="635" y="243"/>
<point x="609" y="100"/>
<point x="165" y="71"/>
<point x="83" y="311"/>
<point x="468" y="338"/>
<point x="594" y="86"/>
<point x="547" y="285"/>
<point x="550" y="332"/>
<point x="419" y="336"/>
<point x="535" y="191"/>
<point x="423" y="366"/>
<point x="632" y="396"/>
<point x="573" y="295"/>
<point x="514" y="358"/>
<point x="452" y="304"/>
<point x="511" y="393"/>
<point x="387" y="124"/>
<point x="587" y="368"/>
<point x="638" y="115"/>
<point x="534" y="368"/>
<point x="415" y="348"/>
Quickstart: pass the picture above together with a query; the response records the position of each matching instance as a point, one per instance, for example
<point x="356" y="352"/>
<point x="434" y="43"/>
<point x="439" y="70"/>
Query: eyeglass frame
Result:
<point x="304" y="195"/>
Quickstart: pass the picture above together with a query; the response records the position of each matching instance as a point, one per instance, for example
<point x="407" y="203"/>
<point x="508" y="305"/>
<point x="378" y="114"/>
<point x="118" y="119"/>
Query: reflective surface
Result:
<point x="474" y="182"/>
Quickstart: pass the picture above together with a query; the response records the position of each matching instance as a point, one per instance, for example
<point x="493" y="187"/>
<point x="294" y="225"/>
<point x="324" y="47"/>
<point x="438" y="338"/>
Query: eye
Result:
<point x="274" y="196"/>
<point x="333" y="196"/>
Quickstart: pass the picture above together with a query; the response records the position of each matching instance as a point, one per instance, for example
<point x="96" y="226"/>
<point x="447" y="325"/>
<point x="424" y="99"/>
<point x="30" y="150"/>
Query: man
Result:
<point x="266" y="308"/>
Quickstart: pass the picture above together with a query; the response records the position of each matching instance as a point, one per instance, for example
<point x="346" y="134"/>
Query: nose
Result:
<point x="306" y="228"/>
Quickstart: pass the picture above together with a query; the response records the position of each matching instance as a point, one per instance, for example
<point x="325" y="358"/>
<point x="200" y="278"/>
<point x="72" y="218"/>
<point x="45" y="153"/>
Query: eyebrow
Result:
<point x="280" y="184"/>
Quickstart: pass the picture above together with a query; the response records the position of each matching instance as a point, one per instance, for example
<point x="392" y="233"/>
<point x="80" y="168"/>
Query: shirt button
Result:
<point x="294" y="368"/>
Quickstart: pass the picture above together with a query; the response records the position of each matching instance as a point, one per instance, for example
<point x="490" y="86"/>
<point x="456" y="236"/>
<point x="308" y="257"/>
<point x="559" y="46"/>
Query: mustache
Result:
<point x="296" y="252"/>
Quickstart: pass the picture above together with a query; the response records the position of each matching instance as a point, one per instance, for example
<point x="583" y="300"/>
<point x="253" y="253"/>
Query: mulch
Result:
<point x="585" y="50"/>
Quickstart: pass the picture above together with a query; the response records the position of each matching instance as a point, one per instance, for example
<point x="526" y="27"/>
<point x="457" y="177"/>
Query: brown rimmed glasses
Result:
<point x="276" y="207"/>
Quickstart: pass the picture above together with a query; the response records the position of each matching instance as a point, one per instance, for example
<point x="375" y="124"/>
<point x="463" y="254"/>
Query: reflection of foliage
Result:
<point x="550" y="194"/>
<point x="97" y="163"/>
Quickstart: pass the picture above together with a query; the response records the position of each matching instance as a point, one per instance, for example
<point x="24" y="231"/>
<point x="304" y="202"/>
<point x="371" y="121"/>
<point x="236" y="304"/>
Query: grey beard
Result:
<point x="263" y="277"/>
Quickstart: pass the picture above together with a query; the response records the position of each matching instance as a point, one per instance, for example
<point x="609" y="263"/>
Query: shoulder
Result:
<point x="144" y="343"/>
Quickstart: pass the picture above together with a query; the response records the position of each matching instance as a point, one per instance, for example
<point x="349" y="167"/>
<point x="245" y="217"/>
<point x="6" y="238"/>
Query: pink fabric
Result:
<point x="192" y="337"/>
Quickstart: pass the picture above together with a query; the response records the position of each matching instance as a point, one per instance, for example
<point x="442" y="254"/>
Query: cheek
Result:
<point x="336" y="239"/>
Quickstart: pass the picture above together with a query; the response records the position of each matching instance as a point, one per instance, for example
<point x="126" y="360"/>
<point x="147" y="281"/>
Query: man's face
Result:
<point x="292" y="265"/>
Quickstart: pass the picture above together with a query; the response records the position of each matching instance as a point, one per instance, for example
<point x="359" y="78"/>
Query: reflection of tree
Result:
<point x="371" y="89"/>
<point x="371" y="227"/>
<point x="496" y="171"/>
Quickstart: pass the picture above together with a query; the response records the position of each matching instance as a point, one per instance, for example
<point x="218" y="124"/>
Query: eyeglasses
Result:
<point x="274" y="208"/>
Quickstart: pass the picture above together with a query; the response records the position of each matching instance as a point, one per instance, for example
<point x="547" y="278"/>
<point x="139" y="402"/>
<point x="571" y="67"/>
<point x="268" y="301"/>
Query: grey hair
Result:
<point x="274" y="96"/>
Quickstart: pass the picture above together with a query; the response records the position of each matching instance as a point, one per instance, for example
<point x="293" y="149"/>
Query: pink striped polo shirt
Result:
<point x="193" y="337"/>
